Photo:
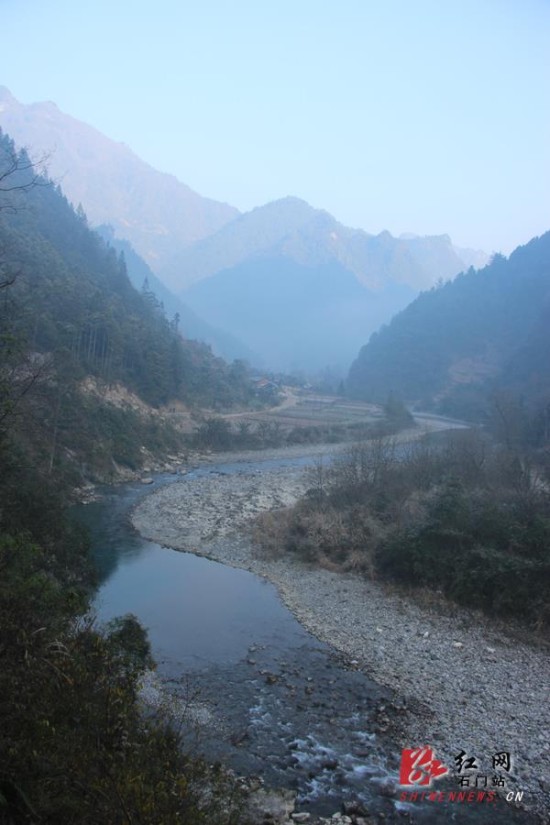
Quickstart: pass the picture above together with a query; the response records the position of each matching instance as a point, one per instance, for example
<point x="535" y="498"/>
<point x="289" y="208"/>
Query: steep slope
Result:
<point x="190" y="325"/>
<point x="484" y="329"/>
<point x="528" y="370"/>
<point x="157" y="213"/>
<point x="186" y="239"/>
<point x="70" y="320"/>
<point x="246" y="237"/>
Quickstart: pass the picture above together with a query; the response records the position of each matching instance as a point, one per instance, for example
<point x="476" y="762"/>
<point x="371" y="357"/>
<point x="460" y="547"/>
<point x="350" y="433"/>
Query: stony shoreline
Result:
<point x="469" y="683"/>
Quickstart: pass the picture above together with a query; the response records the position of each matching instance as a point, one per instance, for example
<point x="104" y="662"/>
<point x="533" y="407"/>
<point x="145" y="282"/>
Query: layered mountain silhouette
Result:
<point x="138" y="209"/>
<point x="157" y="213"/>
<point x="292" y="284"/>
<point x="190" y="325"/>
<point x="484" y="331"/>
<point x="303" y="290"/>
<point x="296" y="317"/>
<point x="293" y="229"/>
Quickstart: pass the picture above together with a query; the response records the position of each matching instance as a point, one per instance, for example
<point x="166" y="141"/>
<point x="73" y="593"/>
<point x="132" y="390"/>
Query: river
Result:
<point x="262" y="694"/>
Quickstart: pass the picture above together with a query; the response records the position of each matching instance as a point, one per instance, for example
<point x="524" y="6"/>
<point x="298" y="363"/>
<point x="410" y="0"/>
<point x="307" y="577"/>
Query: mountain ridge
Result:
<point x="295" y="229"/>
<point x="186" y="239"/>
<point x="277" y="262"/>
<point x="153" y="210"/>
<point x="191" y="325"/>
<point x="162" y="217"/>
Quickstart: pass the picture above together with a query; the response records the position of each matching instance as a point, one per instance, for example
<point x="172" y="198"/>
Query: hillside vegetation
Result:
<point x="467" y="514"/>
<point x="190" y="325"/>
<point x="75" y="746"/>
<point x="487" y="330"/>
<point x="462" y="514"/>
<point x="69" y="312"/>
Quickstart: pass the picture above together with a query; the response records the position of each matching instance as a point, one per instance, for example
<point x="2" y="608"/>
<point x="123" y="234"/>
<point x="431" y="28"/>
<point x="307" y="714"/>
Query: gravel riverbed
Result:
<point x="468" y="683"/>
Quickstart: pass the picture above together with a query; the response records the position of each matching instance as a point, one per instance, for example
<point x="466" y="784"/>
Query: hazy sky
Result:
<point x="423" y="116"/>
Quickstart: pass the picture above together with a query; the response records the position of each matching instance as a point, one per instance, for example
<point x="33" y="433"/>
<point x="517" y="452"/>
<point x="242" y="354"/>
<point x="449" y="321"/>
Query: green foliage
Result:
<point x="485" y="329"/>
<point x="68" y="312"/>
<point x="456" y="513"/>
<point x="130" y="639"/>
<point x="74" y="744"/>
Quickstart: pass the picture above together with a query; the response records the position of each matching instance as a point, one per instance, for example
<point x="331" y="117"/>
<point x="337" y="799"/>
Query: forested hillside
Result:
<point x="74" y="745"/>
<point x="69" y="312"/>
<point x="190" y="324"/>
<point x="484" y="331"/>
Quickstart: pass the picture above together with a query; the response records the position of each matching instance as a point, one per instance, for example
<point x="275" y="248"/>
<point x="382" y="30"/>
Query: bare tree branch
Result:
<point x="18" y="173"/>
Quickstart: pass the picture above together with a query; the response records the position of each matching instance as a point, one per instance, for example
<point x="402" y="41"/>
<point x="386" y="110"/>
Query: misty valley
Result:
<point x="275" y="506"/>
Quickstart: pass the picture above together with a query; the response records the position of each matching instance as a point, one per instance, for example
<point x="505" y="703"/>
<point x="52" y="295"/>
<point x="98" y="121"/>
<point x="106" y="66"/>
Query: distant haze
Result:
<point x="289" y="283"/>
<point x="424" y="117"/>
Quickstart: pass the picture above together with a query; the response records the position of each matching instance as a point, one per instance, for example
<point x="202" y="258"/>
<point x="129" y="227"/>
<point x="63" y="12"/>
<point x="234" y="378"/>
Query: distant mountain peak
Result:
<point x="6" y="96"/>
<point x="292" y="199"/>
<point x="157" y="213"/>
<point x="289" y="205"/>
<point x="7" y="100"/>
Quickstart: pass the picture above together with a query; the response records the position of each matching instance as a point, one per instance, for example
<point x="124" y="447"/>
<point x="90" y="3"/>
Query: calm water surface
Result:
<point x="284" y="706"/>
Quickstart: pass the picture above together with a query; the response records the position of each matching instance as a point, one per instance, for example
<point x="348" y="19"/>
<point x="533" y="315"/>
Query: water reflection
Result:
<point x="197" y="612"/>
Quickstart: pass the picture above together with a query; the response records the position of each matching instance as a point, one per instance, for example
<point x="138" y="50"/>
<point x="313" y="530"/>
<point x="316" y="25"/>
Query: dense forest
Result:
<point x="74" y="745"/>
<point x="68" y="313"/>
<point x="483" y="332"/>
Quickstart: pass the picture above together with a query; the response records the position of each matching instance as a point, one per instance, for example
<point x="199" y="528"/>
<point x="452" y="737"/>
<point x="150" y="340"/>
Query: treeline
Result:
<point x="72" y="297"/>
<point x="483" y="331"/>
<point x="75" y="746"/>
<point x="459" y="513"/>
<point x="68" y="311"/>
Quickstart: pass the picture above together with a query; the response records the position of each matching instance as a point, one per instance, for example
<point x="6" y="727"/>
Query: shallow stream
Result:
<point x="263" y="695"/>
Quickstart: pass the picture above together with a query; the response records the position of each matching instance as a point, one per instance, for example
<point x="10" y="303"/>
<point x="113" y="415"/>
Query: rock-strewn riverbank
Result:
<point x="470" y="684"/>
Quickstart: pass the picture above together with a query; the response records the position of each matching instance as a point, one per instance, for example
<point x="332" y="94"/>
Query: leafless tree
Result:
<point x="18" y="173"/>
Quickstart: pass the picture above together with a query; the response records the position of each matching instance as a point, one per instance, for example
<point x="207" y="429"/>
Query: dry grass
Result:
<point x="331" y="538"/>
